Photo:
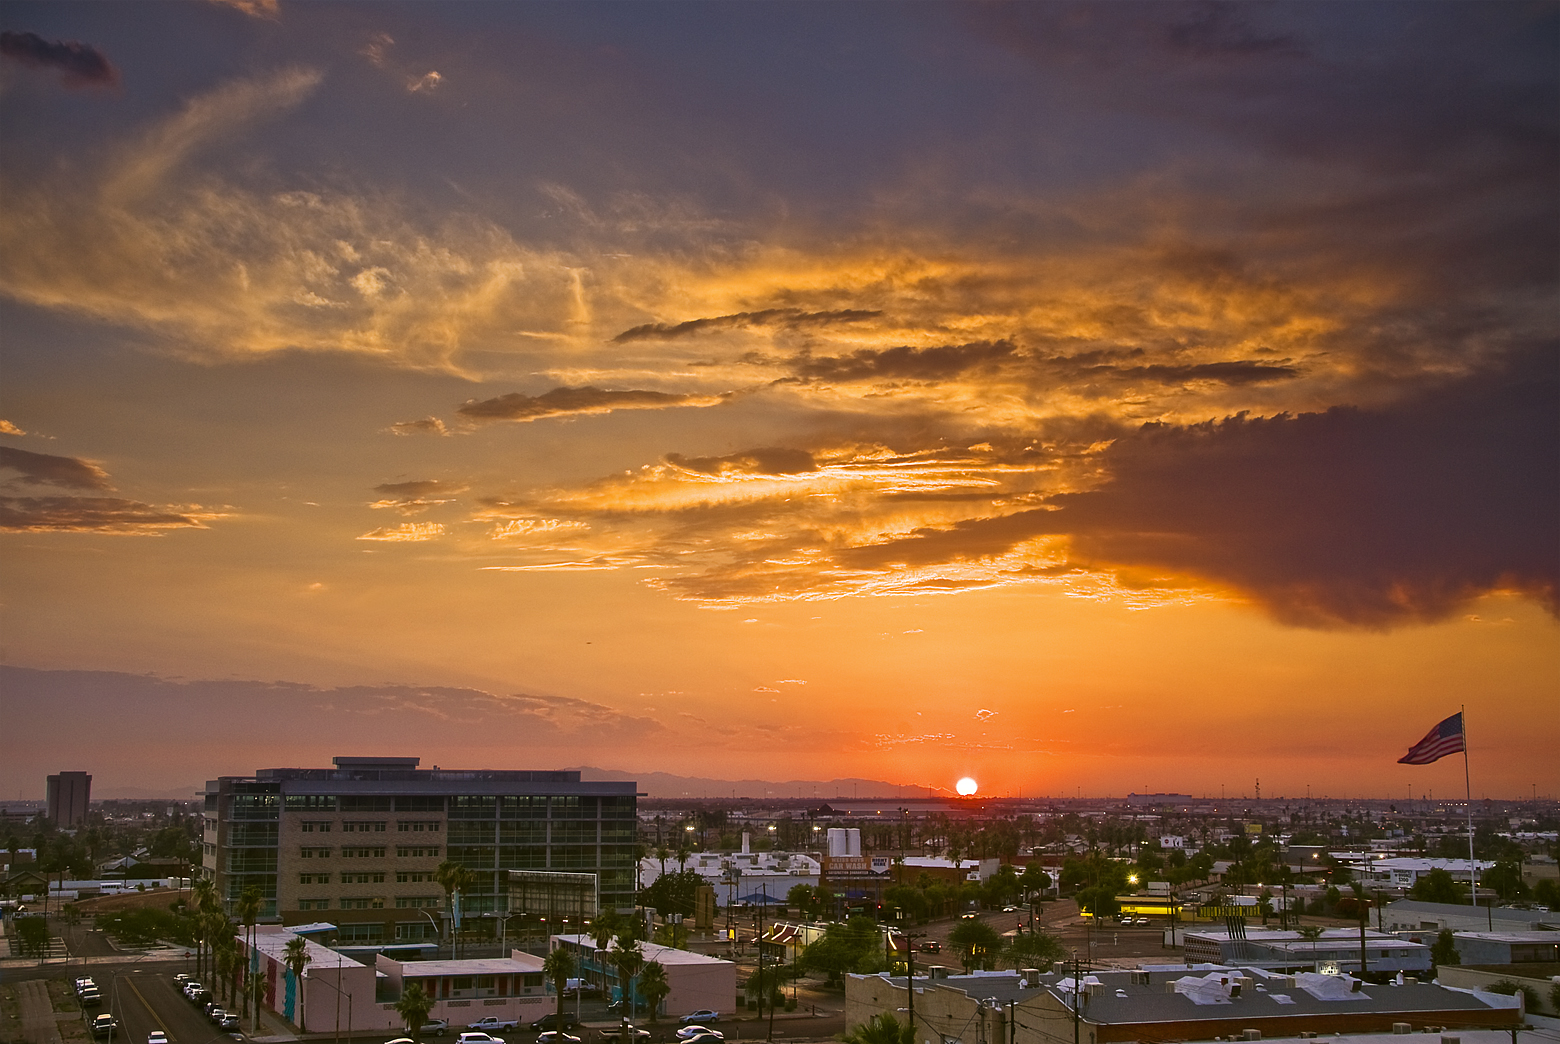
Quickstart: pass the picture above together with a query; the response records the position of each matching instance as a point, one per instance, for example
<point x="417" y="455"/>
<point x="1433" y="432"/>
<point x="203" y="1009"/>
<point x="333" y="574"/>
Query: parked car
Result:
<point x="931" y="946"/>
<point x="557" y="1037"/>
<point x="157" y="1037"/>
<point x="200" y="998"/>
<point x="216" y="1013"/>
<point x="85" y="984"/>
<point x="189" y="986"/>
<point x="438" y="1027"/>
<point x="91" y="998"/>
<point x="625" y="1034"/>
<point x="493" y="1022"/>
<point x="181" y="978"/>
<point x="479" y="1038"/>
<point x="212" y="1009"/>
<point x="702" y="1015"/>
<point x="104" y="1025"/>
<point x="689" y="1032"/>
<point x="228" y="1022"/>
<point x="707" y="1037"/>
<point x="550" y="1022"/>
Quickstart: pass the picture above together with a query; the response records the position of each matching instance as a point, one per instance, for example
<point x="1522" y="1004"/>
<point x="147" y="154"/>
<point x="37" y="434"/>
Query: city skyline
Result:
<point x="1107" y="397"/>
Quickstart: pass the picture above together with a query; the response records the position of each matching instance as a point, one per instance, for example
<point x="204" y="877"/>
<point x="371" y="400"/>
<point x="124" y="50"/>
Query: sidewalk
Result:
<point x="39" y="1025"/>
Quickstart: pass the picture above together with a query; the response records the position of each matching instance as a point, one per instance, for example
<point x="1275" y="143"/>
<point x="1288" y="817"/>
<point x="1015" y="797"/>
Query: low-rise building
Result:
<point x="1165" y="1003"/>
<point x="1507" y="947"/>
<point x="1337" y="949"/>
<point x="697" y="981"/>
<point x="1413" y="915"/>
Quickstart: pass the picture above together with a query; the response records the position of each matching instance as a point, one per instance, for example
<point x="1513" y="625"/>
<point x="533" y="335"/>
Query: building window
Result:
<point x="315" y="826"/>
<point x="314" y="853"/>
<point x="311" y="803"/>
<point x="419" y="804"/>
<point x="362" y="853"/>
<point x="304" y="879"/>
<point x="314" y="904"/>
<point x="418" y="826"/>
<point x="406" y="852"/>
<point x="366" y="804"/>
<point x="413" y="876"/>
<point x="416" y="902"/>
<point x="360" y="933"/>
<point x="478" y="806"/>
<point x="378" y="878"/>
<point x="363" y="904"/>
<point x="363" y="826"/>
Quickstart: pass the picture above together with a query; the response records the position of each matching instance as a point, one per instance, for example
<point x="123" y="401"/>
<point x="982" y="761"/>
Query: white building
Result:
<point x="742" y="877"/>
<point x="697" y="981"/>
<point x="1401" y="872"/>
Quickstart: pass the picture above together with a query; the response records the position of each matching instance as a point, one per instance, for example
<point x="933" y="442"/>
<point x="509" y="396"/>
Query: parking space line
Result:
<point x="149" y="1009"/>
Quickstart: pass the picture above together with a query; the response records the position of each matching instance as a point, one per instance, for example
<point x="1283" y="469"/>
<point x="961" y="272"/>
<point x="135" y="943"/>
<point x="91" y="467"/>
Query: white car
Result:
<point x="157" y="1037"/>
<point x="689" y="1032"/>
<point x="478" y="1038"/>
<point x="556" y="1037"/>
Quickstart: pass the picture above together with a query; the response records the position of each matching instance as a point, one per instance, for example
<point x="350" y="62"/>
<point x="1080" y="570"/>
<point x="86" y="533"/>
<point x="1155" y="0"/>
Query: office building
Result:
<point x="357" y="844"/>
<point x="69" y="794"/>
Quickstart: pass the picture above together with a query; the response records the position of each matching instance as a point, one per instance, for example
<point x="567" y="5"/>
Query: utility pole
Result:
<point x="910" y="983"/>
<point x="1077" y="989"/>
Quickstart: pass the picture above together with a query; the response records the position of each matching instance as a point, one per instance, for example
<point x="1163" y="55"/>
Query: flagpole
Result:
<point x="1473" y="867"/>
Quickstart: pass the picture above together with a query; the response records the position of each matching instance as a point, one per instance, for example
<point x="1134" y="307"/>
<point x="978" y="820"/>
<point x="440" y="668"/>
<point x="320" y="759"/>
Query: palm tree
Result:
<point x="226" y="955"/>
<point x="454" y="878"/>
<point x="881" y="1029"/>
<point x="203" y="895"/>
<point x="557" y="968"/>
<point x="248" y="910"/>
<point x="1312" y="932"/>
<point x="654" y="987"/>
<point x="602" y="931"/>
<point x="297" y="958"/>
<point x="414" y="1006"/>
<point x="628" y="959"/>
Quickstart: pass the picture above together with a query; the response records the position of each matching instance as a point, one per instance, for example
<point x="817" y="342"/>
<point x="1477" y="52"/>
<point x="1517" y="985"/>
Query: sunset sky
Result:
<point x="1075" y="397"/>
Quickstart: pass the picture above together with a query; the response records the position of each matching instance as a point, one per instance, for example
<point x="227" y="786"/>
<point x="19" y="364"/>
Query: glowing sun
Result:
<point x="966" y="786"/>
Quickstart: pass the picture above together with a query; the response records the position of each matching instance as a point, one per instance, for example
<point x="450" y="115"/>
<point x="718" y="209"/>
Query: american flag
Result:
<point x="1446" y="738"/>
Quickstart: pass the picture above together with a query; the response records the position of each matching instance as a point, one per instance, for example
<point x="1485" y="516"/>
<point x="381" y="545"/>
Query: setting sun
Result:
<point x="966" y="786"/>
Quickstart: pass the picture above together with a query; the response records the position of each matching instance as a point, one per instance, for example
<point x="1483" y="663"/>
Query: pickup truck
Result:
<point x="493" y="1022"/>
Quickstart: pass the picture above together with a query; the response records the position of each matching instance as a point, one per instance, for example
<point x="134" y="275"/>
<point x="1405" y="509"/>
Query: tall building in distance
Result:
<point x="357" y="844"/>
<point x="69" y="793"/>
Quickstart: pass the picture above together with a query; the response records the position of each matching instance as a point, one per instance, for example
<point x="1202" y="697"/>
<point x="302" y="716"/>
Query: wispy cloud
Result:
<point x="96" y="515"/>
<point x="562" y="402"/>
<point x="406" y="533"/>
<point x="416" y="496"/>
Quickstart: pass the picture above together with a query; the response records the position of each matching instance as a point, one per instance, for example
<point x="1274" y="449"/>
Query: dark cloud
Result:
<point x="43" y="469"/>
<point x="80" y="65"/>
<point x="1220" y="31"/>
<point x="904" y="362"/>
<point x="562" y="402"/>
<point x="92" y="514"/>
<point x="771" y="460"/>
<point x="409" y="498"/>
<point x="1238" y="371"/>
<point x="766" y="317"/>
<point x="1348" y="518"/>
<point x="417" y="488"/>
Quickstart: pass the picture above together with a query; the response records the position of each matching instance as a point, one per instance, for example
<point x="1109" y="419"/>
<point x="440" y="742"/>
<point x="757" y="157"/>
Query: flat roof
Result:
<point x="274" y="945"/>
<point x="664" y="955"/>
<point x="519" y="964"/>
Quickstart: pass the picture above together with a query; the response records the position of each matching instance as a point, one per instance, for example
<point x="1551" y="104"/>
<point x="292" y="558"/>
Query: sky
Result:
<point x="1082" y="398"/>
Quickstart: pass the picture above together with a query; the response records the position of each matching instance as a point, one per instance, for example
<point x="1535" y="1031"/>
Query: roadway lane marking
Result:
<point x="130" y="982"/>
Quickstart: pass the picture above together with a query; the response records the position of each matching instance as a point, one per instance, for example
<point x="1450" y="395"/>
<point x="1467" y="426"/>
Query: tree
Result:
<point x="1099" y="901"/>
<point x="1506" y="879"/>
<point x="248" y="910"/>
<point x="415" y="1004"/>
<point x="602" y="931"/>
<point x="1437" y="886"/>
<point x="453" y="877"/>
<point x="1547" y="892"/>
<point x="203" y="897"/>
<point x="881" y="1029"/>
<point x="854" y="946"/>
<point x="977" y="942"/>
<point x="1444" y="949"/>
<point x="1034" y="879"/>
<point x="628" y="958"/>
<point x="653" y="987"/>
<point x="672" y="893"/>
<point x="558" y="967"/>
<point x="673" y="935"/>
<point x="33" y="934"/>
<point x="1035" y="950"/>
<point x="296" y="957"/>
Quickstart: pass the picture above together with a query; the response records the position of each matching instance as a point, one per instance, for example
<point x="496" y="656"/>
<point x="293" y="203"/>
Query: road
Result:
<point x="145" y="1001"/>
